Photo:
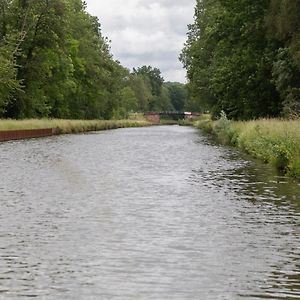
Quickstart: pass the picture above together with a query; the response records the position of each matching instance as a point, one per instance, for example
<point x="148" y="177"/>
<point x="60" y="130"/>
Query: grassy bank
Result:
<point x="273" y="141"/>
<point x="70" y="126"/>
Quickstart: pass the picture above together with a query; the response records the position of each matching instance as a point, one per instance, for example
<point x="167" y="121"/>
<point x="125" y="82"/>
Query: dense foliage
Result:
<point x="55" y="62"/>
<point x="162" y="96"/>
<point x="243" y="57"/>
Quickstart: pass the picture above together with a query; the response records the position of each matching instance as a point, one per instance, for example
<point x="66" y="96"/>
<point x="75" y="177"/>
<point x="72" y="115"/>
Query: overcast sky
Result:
<point x="146" y="32"/>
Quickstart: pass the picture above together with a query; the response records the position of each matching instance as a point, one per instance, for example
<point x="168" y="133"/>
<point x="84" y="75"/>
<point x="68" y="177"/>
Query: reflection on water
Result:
<point x="144" y="213"/>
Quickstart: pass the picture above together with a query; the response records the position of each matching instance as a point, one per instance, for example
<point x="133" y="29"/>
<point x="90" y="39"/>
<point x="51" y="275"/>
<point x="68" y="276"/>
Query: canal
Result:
<point x="144" y="213"/>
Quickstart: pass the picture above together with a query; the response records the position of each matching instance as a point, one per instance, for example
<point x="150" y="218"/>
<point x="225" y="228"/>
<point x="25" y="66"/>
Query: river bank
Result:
<point x="273" y="141"/>
<point x="19" y="129"/>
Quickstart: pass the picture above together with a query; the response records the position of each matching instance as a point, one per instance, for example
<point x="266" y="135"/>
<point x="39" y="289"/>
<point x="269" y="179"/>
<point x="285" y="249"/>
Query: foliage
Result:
<point x="152" y="89"/>
<point x="9" y="84"/>
<point x="55" y="62"/>
<point x="61" y="59"/>
<point x="242" y="57"/>
<point x="153" y="75"/>
<point x="140" y="86"/>
<point x="286" y="76"/>
<point x="283" y="23"/>
<point x="223" y="129"/>
<point x="178" y="95"/>
<point x="273" y="141"/>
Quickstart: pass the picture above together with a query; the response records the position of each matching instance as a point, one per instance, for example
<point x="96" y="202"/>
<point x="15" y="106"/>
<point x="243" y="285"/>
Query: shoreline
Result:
<point x="26" y="129"/>
<point x="273" y="141"/>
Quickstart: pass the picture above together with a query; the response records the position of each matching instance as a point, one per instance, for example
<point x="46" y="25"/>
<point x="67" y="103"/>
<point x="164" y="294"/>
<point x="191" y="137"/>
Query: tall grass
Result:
<point x="70" y="126"/>
<point x="274" y="141"/>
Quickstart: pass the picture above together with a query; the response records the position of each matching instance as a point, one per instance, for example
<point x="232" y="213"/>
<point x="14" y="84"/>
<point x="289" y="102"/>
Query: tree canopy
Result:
<point x="242" y="57"/>
<point x="55" y="62"/>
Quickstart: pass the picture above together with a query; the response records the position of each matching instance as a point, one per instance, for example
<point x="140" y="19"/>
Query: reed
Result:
<point x="274" y="141"/>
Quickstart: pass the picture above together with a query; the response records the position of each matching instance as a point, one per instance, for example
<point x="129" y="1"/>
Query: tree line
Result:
<point x="243" y="58"/>
<point x="55" y="62"/>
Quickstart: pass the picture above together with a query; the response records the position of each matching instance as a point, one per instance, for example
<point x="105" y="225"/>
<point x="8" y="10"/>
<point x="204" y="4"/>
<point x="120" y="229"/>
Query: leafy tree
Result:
<point x="178" y="95"/>
<point x="283" y="23"/>
<point x="160" y="98"/>
<point x="55" y="62"/>
<point x="154" y="77"/>
<point x="61" y="59"/>
<point x="141" y="87"/>
<point x="42" y="25"/>
<point x="229" y="59"/>
<point x="9" y="85"/>
<point x="128" y="103"/>
<point x="286" y="76"/>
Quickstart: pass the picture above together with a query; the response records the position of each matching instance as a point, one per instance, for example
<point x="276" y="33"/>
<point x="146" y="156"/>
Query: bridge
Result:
<point x="170" y="115"/>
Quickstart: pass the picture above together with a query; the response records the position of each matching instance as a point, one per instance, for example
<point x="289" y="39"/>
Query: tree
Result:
<point x="229" y="59"/>
<point x="160" y="100"/>
<point x="154" y="76"/>
<point x="142" y="90"/>
<point x="128" y="103"/>
<point x="178" y="95"/>
<point x="55" y="62"/>
<point x="283" y="23"/>
<point x="61" y="59"/>
<point x="9" y="85"/>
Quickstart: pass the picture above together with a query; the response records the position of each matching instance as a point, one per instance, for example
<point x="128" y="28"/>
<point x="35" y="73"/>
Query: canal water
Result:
<point x="144" y="213"/>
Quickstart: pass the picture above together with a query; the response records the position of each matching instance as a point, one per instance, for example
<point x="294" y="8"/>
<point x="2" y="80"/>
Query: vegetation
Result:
<point x="274" y="141"/>
<point x="243" y="63"/>
<point x="243" y="58"/>
<point x="178" y="95"/>
<point x="158" y="95"/>
<point x="71" y="126"/>
<point x="55" y="63"/>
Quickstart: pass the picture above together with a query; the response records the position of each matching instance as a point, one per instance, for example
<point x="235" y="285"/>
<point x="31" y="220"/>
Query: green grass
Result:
<point x="70" y="126"/>
<point x="274" y="141"/>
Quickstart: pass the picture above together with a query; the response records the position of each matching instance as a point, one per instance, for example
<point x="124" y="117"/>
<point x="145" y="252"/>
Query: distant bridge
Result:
<point x="170" y="115"/>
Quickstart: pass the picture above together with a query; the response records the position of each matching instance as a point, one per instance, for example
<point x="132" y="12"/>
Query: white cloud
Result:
<point x="146" y="32"/>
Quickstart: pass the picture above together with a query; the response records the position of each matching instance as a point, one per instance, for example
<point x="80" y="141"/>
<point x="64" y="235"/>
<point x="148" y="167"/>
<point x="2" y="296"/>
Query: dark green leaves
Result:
<point x="232" y="60"/>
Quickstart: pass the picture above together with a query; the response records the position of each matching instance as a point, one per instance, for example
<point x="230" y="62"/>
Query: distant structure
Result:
<point x="157" y="116"/>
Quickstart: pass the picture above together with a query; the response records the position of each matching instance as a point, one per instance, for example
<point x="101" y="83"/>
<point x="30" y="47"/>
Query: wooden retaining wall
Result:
<point x="25" y="134"/>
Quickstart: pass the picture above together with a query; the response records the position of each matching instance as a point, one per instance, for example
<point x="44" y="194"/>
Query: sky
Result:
<point x="146" y="32"/>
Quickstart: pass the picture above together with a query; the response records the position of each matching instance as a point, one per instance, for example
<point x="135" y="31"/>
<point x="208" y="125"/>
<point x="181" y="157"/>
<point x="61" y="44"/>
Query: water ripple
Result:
<point x="147" y="213"/>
